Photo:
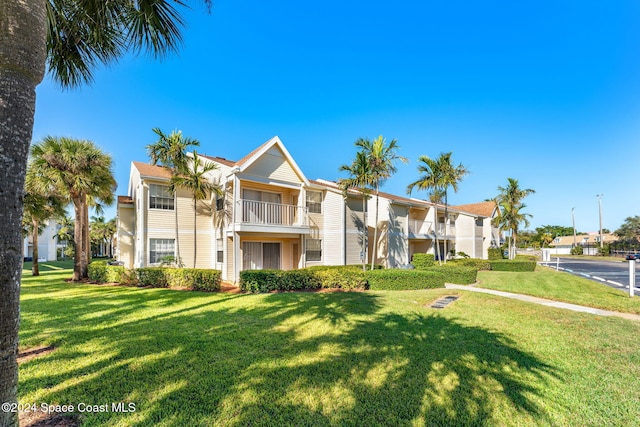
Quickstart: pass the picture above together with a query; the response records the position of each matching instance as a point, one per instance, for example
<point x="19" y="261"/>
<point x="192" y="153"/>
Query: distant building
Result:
<point x="47" y="243"/>
<point x="590" y="243"/>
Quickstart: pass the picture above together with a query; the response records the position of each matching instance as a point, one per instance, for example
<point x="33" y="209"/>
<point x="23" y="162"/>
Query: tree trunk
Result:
<point x="365" y="232"/>
<point x="435" y="233"/>
<point x="35" y="270"/>
<point x="375" y="233"/>
<point x="175" y="208"/>
<point x="195" y="239"/>
<point x="78" y="255"/>
<point x="446" y="222"/>
<point x="86" y="240"/>
<point x="22" y="60"/>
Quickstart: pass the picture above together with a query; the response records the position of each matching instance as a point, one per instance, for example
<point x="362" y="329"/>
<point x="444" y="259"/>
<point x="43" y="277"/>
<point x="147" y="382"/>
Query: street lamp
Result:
<point x="599" y="196"/>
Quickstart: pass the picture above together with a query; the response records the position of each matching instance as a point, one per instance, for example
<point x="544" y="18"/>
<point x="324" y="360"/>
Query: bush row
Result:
<point x="395" y="280"/>
<point x="341" y="277"/>
<point x="513" y="265"/>
<point x="157" y="277"/>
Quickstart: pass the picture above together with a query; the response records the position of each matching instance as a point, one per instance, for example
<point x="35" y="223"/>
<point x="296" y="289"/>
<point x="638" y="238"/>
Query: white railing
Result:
<point x="254" y="212"/>
<point x="450" y="230"/>
<point x="420" y="227"/>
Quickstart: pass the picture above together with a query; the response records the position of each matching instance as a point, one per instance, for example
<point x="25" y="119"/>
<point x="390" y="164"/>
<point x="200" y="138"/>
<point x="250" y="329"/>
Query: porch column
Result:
<point x="236" y="257"/>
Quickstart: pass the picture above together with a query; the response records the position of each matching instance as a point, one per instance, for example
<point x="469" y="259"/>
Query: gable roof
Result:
<point x="125" y="200"/>
<point x="256" y="154"/>
<point x="485" y="209"/>
<point x="220" y="160"/>
<point x="151" y="171"/>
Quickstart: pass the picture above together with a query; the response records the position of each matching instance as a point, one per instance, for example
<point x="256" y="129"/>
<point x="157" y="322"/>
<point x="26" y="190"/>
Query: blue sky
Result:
<point x="546" y="92"/>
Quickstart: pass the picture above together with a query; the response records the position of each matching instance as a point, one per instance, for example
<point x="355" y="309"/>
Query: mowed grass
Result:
<point x="561" y="286"/>
<point x="314" y="359"/>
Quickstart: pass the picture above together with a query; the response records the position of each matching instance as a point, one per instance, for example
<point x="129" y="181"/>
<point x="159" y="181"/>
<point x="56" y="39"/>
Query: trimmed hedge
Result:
<point x="395" y="280"/>
<point x="157" y="277"/>
<point x="495" y="253"/>
<point x="343" y="277"/>
<point x="478" y="264"/>
<point x="457" y="274"/>
<point x="423" y="261"/>
<point x="513" y="265"/>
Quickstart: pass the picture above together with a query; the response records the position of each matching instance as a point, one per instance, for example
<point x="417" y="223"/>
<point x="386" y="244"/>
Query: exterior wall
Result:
<point x="47" y="243"/>
<point x="354" y="228"/>
<point x="273" y="165"/>
<point x="126" y="235"/>
<point x="383" y="219"/>
<point x="466" y="236"/>
<point x="397" y="250"/>
<point x="331" y="229"/>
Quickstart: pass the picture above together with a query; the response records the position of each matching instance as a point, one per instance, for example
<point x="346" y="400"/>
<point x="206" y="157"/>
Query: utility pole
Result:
<point x="573" y="220"/>
<point x="599" y="196"/>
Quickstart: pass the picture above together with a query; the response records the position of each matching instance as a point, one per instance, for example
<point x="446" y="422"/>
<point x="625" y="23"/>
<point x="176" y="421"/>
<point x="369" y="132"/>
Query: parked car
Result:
<point x="633" y="257"/>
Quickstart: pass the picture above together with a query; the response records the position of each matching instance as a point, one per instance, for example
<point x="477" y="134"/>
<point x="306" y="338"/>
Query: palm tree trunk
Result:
<point x="78" y="255"/>
<point x="195" y="239"/>
<point x="435" y="233"/>
<point x="35" y="270"/>
<point x="446" y="221"/>
<point x="178" y="262"/>
<point x="22" y="63"/>
<point x="375" y="233"/>
<point x="365" y="232"/>
<point x="86" y="240"/>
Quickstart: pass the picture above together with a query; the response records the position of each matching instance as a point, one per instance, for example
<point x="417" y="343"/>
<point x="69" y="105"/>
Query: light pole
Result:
<point x="573" y="220"/>
<point x="599" y="196"/>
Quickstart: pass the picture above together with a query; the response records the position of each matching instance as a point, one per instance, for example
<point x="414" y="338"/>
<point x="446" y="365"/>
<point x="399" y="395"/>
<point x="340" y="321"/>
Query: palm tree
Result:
<point x="360" y="179"/>
<point x="194" y="179"/>
<point x="381" y="157"/>
<point x="69" y="39"/>
<point x="65" y="233"/>
<point x="510" y="214"/>
<point x="170" y="151"/>
<point x="78" y="169"/>
<point x="41" y="203"/>
<point x="437" y="176"/>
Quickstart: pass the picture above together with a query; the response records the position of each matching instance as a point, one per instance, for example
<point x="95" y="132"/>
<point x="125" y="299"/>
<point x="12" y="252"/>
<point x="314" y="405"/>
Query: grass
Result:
<point x="362" y="358"/>
<point x="560" y="286"/>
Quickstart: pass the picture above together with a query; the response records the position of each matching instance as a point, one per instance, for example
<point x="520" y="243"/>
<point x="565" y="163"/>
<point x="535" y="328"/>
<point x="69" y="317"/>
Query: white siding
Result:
<point x="274" y="165"/>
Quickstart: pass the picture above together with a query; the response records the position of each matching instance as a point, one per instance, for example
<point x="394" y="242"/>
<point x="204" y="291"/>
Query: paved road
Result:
<point x="614" y="274"/>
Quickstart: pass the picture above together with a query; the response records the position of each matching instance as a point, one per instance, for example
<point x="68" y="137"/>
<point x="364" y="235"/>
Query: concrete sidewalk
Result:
<point x="546" y="302"/>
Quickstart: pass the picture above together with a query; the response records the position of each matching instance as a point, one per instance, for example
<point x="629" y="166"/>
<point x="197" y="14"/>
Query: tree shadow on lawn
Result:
<point x="290" y="359"/>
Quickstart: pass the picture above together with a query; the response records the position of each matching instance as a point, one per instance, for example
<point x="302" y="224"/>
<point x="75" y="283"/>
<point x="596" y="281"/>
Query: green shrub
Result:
<point x="395" y="280"/>
<point x="422" y="261"/>
<point x="577" y="250"/>
<point x="294" y="280"/>
<point x="193" y="278"/>
<point x="457" y="274"/>
<point x="527" y="258"/>
<point x="495" y="253"/>
<point x="513" y="265"/>
<point x="259" y="280"/>
<point x="98" y="271"/>
<point x="152" y="276"/>
<point x="478" y="264"/>
<point x="343" y="278"/>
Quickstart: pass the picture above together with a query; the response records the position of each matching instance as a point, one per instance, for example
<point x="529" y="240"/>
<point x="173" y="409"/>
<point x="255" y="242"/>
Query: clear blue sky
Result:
<point x="543" y="91"/>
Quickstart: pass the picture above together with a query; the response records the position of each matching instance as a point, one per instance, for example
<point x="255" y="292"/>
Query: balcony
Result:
<point x="273" y="217"/>
<point x="425" y="229"/>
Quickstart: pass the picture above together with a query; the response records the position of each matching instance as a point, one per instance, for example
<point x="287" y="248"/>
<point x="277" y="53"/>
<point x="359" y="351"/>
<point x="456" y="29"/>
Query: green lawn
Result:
<point x="361" y="358"/>
<point x="561" y="286"/>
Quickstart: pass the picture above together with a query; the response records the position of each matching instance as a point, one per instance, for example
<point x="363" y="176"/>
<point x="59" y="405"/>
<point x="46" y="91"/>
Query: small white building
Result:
<point x="47" y="243"/>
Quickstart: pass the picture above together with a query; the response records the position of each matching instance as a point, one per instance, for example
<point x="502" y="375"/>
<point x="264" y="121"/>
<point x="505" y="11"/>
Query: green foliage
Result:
<point x="343" y="277"/>
<point x="154" y="277"/>
<point x="495" y="253"/>
<point x="395" y="280"/>
<point x="193" y="278"/>
<point x="630" y="229"/>
<point x="458" y="274"/>
<point x="513" y="265"/>
<point x="605" y="250"/>
<point x="463" y="255"/>
<point x="98" y="271"/>
<point x="577" y="250"/>
<point x="478" y="264"/>
<point x="423" y="261"/>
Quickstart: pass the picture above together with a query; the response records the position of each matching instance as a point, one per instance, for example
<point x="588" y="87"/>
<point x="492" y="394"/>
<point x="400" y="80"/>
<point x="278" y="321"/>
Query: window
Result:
<point x="160" y="248"/>
<point x="314" y="250"/>
<point x="259" y="255"/>
<point x="479" y="222"/>
<point x="314" y="201"/>
<point x="220" y="250"/>
<point x="219" y="203"/>
<point x="159" y="197"/>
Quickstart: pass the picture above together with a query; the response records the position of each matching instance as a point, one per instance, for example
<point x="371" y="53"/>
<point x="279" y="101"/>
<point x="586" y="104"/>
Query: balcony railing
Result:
<point x="267" y="213"/>
<point x="426" y="227"/>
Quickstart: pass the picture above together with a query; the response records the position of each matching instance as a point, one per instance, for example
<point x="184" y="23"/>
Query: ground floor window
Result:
<point x="161" y="248"/>
<point x="314" y="250"/>
<point x="220" y="251"/>
<point x="260" y="255"/>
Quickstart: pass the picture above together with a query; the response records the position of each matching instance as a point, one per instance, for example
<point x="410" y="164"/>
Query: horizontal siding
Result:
<point x="274" y="165"/>
<point x="354" y="230"/>
<point x="331" y="232"/>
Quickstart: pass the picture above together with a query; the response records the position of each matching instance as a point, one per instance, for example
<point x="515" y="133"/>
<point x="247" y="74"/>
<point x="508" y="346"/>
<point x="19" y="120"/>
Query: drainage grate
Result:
<point x="442" y="302"/>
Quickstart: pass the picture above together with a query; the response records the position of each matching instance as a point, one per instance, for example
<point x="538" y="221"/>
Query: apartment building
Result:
<point x="272" y="216"/>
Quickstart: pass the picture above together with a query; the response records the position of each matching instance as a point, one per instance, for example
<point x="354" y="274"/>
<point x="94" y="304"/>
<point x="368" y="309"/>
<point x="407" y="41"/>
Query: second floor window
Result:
<point x="160" y="198"/>
<point x="314" y="250"/>
<point x="314" y="201"/>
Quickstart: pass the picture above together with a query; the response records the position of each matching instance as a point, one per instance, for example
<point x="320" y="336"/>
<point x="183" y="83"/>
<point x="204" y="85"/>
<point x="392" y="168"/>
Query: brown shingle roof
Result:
<point x="125" y="200"/>
<point x="248" y="156"/>
<point x="483" y="208"/>
<point x="220" y="160"/>
<point x="152" y="171"/>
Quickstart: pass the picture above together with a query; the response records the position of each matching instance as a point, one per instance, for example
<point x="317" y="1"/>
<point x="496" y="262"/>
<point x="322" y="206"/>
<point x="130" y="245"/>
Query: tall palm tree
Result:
<point x="381" y="156"/>
<point x="69" y="39"/>
<point x="510" y="214"/>
<point x="194" y="179"/>
<point x="360" y="179"/>
<point x="170" y="151"/>
<point x="41" y="203"/>
<point x="437" y="176"/>
<point x="79" y="169"/>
